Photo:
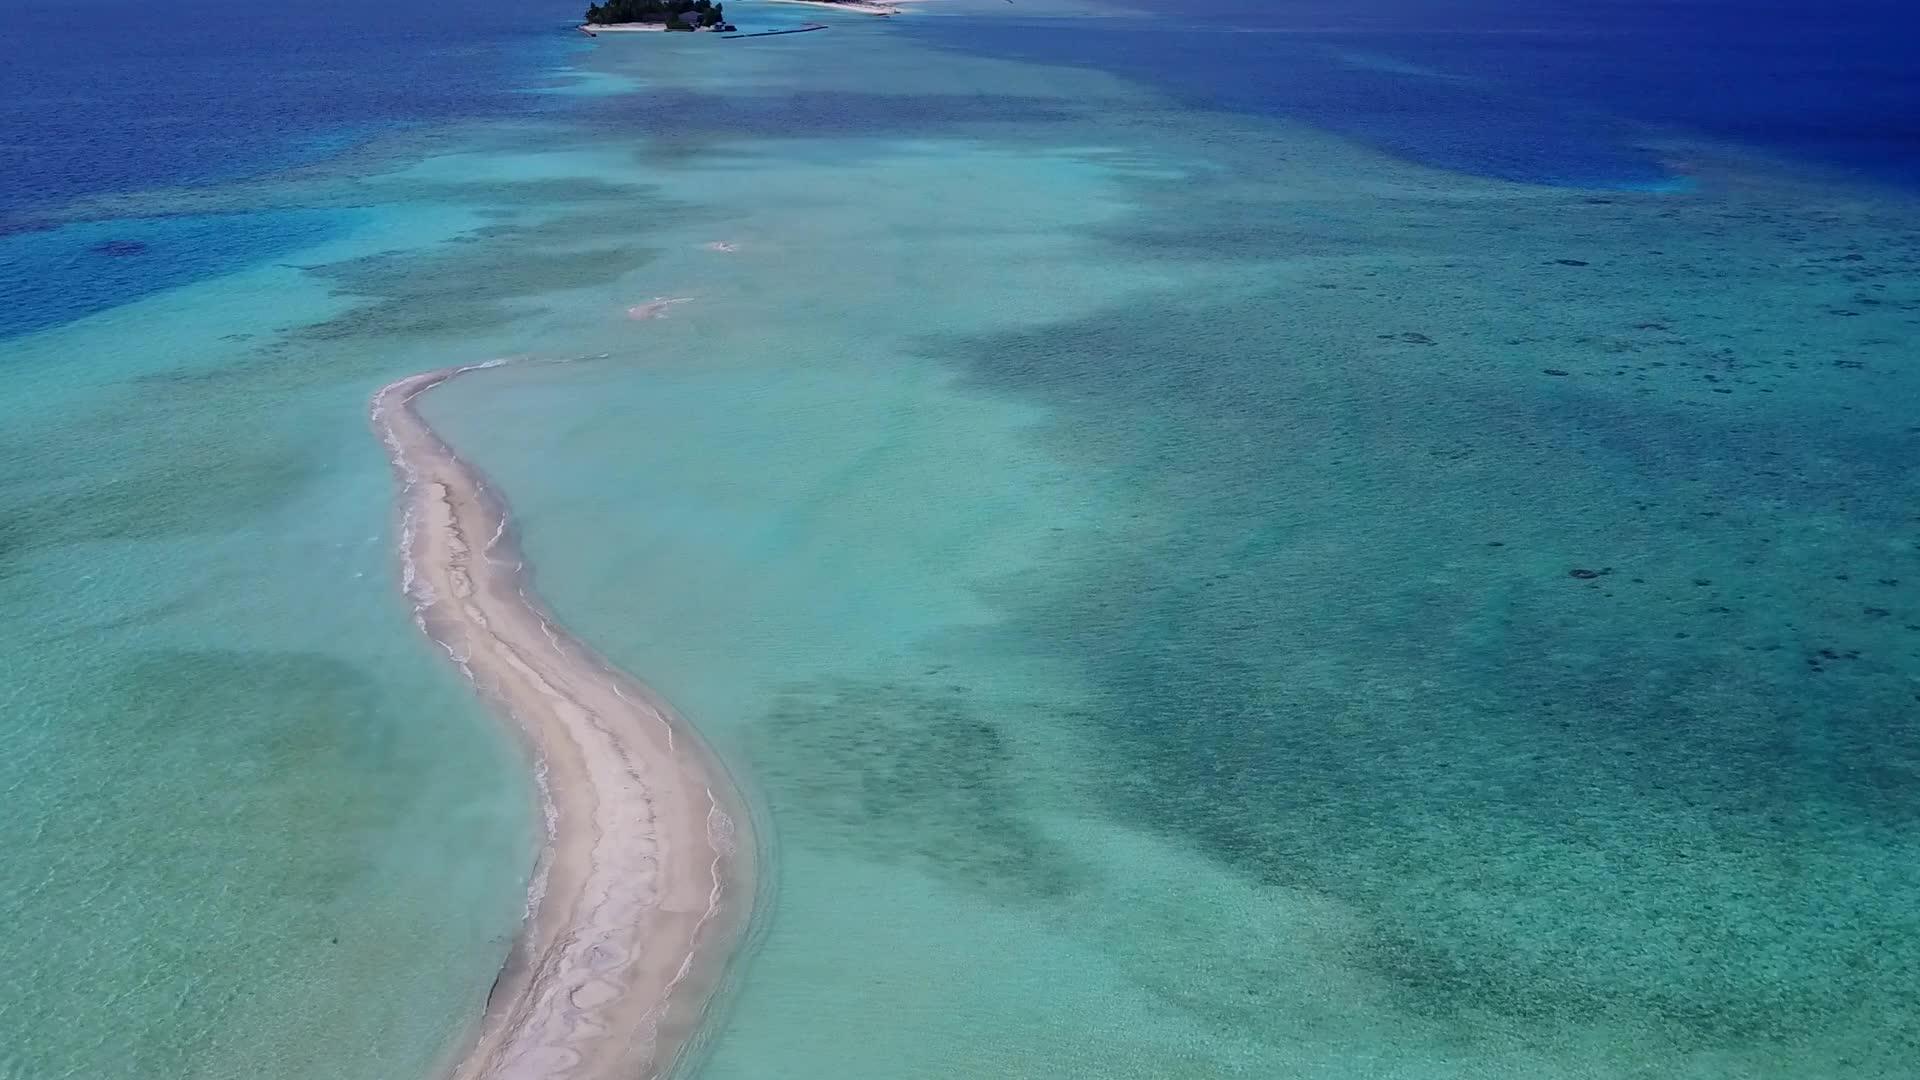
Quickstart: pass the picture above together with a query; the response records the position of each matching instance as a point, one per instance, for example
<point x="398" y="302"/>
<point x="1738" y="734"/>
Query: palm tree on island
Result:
<point x="669" y="14"/>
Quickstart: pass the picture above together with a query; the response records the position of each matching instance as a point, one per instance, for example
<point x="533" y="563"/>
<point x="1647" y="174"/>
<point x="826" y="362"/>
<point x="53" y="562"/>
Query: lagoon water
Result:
<point x="1298" y="540"/>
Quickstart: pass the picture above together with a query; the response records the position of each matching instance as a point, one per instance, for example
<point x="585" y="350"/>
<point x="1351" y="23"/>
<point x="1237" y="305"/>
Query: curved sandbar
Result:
<point x="644" y="880"/>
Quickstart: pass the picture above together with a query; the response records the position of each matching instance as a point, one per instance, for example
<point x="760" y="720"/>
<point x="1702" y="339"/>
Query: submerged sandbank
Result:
<point x="644" y="880"/>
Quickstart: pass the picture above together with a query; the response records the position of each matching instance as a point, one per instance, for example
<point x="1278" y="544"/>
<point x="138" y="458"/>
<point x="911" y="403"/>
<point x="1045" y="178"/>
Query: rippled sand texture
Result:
<point x="632" y="909"/>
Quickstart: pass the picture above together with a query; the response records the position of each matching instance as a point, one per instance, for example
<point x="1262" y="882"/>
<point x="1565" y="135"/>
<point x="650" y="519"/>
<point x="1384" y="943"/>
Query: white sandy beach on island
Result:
<point x="645" y="879"/>
<point x="624" y="28"/>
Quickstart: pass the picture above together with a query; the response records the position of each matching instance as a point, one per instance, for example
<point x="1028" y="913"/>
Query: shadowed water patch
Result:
<point x="1344" y="650"/>
<point x="692" y="117"/>
<point x="915" y="774"/>
<point x="145" y="468"/>
<point x="375" y="176"/>
<point x="57" y="274"/>
<point x="465" y="289"/>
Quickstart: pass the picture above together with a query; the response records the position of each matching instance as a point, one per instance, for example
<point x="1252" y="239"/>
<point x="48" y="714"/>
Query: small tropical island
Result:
<point x="655" y="15"/>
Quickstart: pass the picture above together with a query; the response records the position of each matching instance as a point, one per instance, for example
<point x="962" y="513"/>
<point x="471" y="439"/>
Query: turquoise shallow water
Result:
<point x="241" y="793"/>
<point x="1139" y="572"/>
<point x="1128" y="551"/>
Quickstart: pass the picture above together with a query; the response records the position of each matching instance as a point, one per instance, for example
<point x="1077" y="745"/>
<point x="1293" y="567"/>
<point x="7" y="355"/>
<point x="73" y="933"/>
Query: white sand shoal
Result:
<point x="644" y="881"/>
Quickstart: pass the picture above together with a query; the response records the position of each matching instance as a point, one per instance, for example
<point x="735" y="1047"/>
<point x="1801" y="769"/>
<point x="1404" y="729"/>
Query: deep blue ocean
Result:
<point x="1559" y="93"/>
<point x="131" y="97"/>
